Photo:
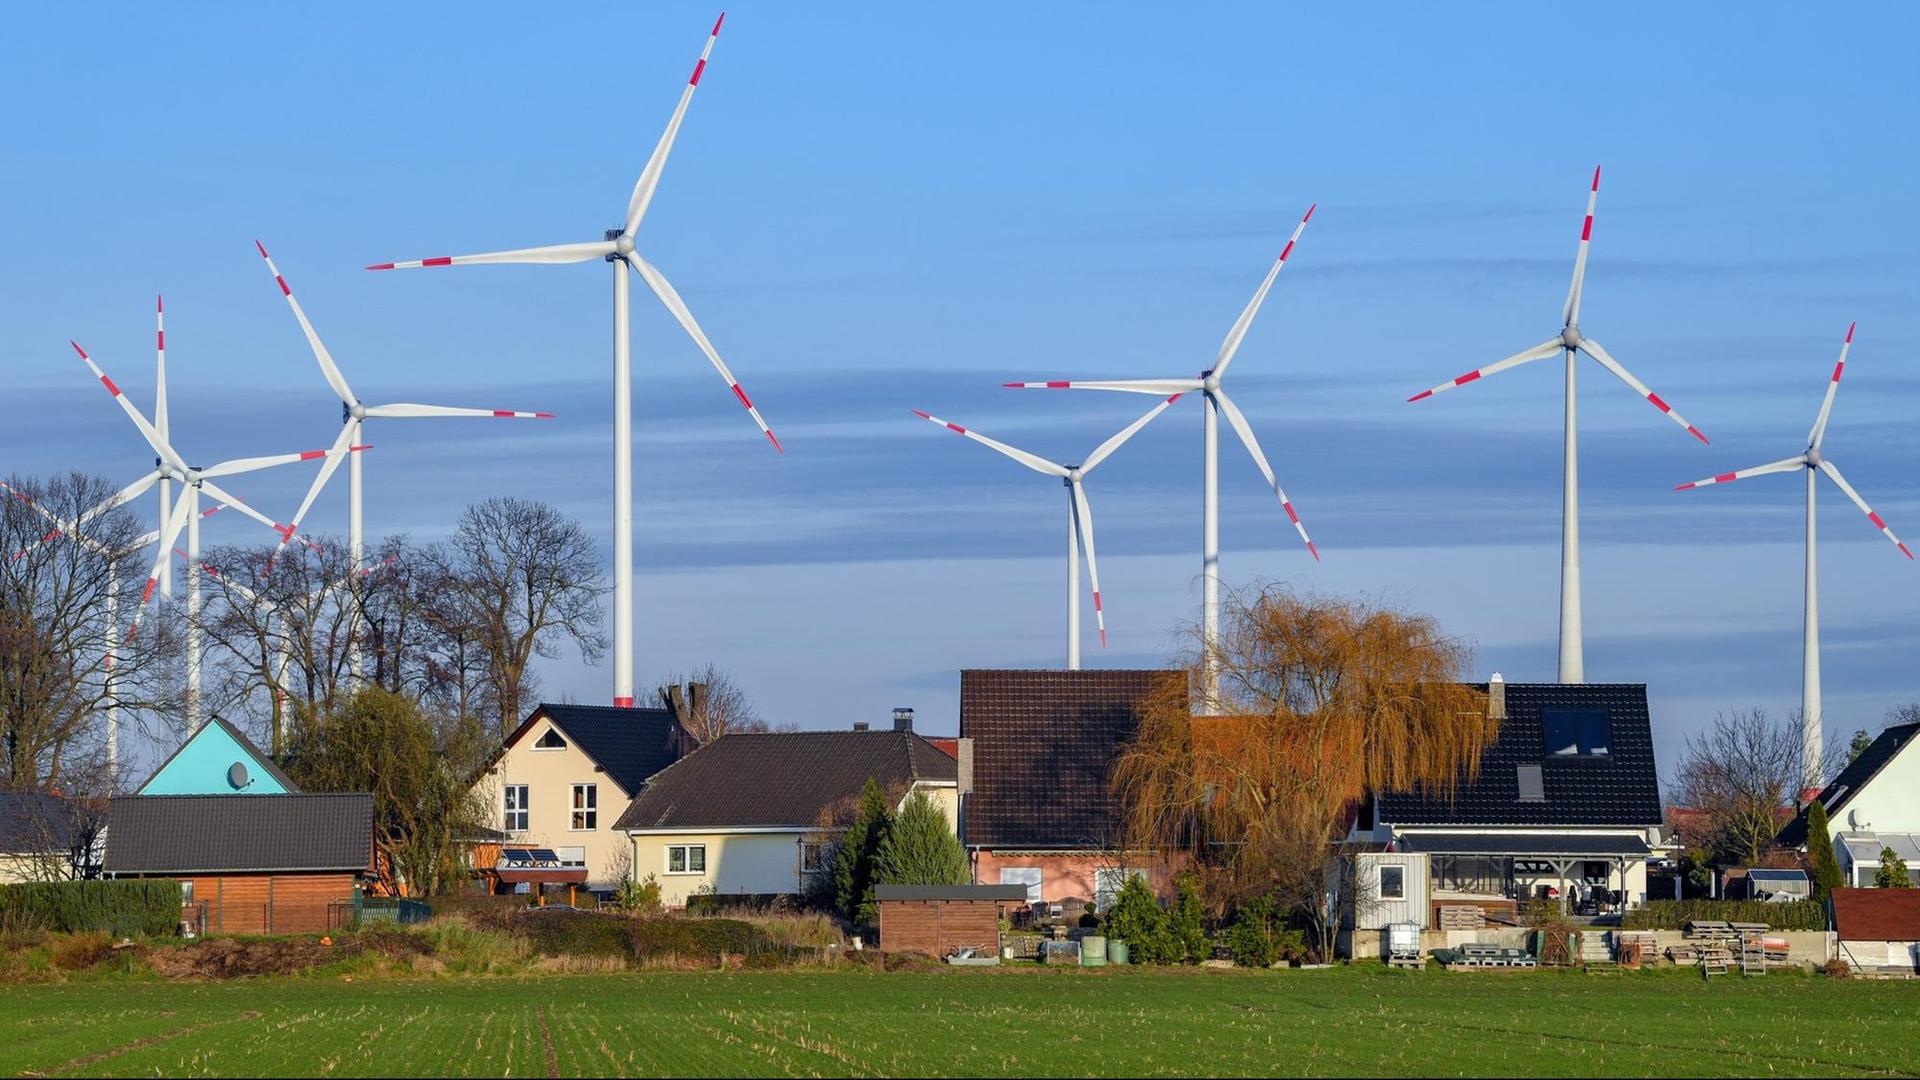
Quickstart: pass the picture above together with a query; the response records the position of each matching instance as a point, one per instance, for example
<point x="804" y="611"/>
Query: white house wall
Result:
<point x="750" y="863"/>
<point x="549" y="776"/>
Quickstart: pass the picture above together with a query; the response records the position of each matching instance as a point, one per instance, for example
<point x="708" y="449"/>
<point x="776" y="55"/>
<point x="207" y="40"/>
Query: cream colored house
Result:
<point x="557" y="784"/>
<point x="45" y="837"/>
<point x="752" y="814"/>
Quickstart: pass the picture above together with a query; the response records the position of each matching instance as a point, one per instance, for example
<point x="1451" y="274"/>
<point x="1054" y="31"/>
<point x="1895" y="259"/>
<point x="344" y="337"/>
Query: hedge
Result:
<point x="566" y="932"/>
<point x="1675" y="914"/>
<point x="121" y="908"/>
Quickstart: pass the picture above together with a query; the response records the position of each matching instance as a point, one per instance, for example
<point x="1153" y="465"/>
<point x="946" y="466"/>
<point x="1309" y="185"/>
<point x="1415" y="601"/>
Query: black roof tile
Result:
<point x="180" y="834"/>
<point x="792" y="778"/>
<point x="1044" y="744"/>
<point x="630" y="744"/>
<point x="1621" y="788"/>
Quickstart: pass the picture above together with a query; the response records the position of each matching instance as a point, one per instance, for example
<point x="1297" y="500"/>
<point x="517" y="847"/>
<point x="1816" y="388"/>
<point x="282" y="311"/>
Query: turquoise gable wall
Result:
<point x="200" y="768"/>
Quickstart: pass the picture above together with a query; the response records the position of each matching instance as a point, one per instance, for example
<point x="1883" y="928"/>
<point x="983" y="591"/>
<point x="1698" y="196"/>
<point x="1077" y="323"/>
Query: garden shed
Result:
<point x="938" y="919"/>
<point x="1878" y="929"/>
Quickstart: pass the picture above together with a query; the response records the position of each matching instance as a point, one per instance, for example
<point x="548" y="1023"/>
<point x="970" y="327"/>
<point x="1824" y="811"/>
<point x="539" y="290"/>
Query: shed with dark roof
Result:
<point x="263" y="864"/>
<point x="1878" y="929"/>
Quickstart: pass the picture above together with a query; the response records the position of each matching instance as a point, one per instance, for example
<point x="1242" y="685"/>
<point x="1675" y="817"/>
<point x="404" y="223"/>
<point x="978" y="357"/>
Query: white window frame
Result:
<point x="535" y="746"/>
<point x="818" y="849"/>
<point x="589" y="813"/>
<point x="1380" y="881"/>
<point x="1030" y="877"/>
<point x="686" y="859"/>
<point x="508" y="809"/>
<point x="1111" y="895"/>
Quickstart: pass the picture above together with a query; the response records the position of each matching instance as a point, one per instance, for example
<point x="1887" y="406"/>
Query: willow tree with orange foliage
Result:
<point x="1322" y="702"/>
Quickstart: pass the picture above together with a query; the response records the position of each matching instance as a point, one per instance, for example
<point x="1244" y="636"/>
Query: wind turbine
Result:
<point x="618" y="247"/>
<point x="185" y="514"/>
<point x="1079" y="513"/>
<point x="1812" y="461"/>
<point x="353" y="414"/>
<point x="1569" y="342"/>
<point x="1217" y="402"/>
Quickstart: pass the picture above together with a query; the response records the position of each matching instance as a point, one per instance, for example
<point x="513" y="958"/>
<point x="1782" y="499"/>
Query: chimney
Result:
<point x="862" y="725"/>
<point x="903" y="718"/>
<point x="696" y="698"/>
<point x="964" y="759"/>
<point x="670" y="697"/>
<point x="1496" y="697"/>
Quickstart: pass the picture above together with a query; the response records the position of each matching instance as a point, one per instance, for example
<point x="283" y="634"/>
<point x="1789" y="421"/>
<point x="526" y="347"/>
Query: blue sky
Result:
<point x="875" y="208"/>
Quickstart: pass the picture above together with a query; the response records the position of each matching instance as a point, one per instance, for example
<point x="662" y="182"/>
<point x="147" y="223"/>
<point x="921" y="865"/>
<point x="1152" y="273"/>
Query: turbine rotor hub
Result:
<point x="1570" y="337"/>
<point x="1813" y="457"/>
<point x="1210" y="381"/>
<point x="623" y="245"/>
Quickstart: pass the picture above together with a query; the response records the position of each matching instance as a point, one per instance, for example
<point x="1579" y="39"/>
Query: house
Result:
<point x="555" y="786"/>
<point x="47" y="837"/>
<point x="1873" y="805"/>
<point x="1040" y="747"/>
<point x="755" y="814"/>
<point x="1566" y="804"/>
<point x="218" y="759"/>
<point x="271" y="864"/>
<point x="1878" y="930"/>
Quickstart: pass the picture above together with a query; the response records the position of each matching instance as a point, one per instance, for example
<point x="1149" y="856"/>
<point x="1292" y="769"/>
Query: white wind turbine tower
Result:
<point x="185" y="514"/>
<point x="1079" y="513"/>
<point x="617" y="248"/>
<point x="1812" y="461"/>
<point x="1217" y="402"/>
<point x="1569" y="342"/>
<point x="354" y="413"/>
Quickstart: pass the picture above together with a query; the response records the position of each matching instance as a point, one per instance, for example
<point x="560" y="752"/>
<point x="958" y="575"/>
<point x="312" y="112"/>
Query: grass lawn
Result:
<point x="1358" y="1021"/>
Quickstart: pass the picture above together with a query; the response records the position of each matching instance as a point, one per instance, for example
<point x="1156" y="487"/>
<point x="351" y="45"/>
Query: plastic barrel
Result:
<point x="1116" y="952"/>
<point x="1093" y="951"/>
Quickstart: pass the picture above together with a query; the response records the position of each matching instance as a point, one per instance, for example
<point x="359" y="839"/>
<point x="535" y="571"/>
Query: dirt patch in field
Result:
<point x="233" y="958"/>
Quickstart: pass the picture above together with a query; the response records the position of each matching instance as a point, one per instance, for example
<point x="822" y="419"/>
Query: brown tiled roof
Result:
<point x="1044" y="743"/>
<point x="1877" y="914"/>
<point x="788" y="778"/>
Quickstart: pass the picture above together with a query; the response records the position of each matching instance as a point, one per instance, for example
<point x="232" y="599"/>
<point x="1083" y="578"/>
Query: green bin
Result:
<point x="1116" y="951"/>
<point x="1093" y="951"/>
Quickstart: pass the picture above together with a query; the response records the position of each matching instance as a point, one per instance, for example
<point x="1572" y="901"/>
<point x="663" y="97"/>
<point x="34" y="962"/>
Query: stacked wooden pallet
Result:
<point x="1684" y="955"/>
<point x="1462" y="917"/>
<point x="1476" y="955"/>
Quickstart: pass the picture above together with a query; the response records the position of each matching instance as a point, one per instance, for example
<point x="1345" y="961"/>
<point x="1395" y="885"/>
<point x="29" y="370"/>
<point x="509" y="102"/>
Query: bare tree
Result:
<point x="1323" y="702"/>
<point x="519" y="580"/>
<point x="72" y="579"/>
<point x="1740" y="776"/>
<point x="711" y="704"/>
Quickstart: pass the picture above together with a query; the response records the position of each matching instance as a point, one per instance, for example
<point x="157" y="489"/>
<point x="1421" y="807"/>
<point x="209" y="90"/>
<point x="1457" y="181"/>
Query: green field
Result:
<point x="1013" y="1022"/>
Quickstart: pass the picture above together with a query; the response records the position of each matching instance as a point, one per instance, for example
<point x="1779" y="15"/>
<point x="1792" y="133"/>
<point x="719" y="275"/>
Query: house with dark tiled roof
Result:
<point x="218" y="759"/>
<point x="259" y="865"/>
<point x="1566" y="804"/>
<point x="1872" y="806"/>
<point x="1039" y="748"/>
<point x="755" y="814"/>
<point x="47" y="837"/>
<point x="555" y="786"/>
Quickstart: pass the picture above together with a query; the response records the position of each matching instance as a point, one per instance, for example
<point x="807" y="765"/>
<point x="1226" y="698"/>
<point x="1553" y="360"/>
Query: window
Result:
<point x="1023" y="875"/>
<point x="550" y="741"/>
<point x="686" y="858"/>
<point x="516" y="808"/>
<point x="1533" y="787"/>
<point x="816" y="857"/>
<point x="1577" y="732"/>
<point x="1106" y="887"/>
<point x="1393" y="883"/>
<point x="586" y="807"/>
<point x="186" y="894"/>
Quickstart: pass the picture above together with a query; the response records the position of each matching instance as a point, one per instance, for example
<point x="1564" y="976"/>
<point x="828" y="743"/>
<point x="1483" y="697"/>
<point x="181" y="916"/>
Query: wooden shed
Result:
<point x="263" y="864"/>
<point x="938" y="919"/>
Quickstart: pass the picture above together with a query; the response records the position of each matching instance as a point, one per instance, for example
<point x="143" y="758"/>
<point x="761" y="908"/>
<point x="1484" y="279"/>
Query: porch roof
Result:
<point x="1527" y="846"/>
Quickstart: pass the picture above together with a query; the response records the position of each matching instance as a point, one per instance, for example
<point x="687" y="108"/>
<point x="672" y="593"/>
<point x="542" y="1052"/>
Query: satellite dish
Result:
<point x="1856" y="820"/>
<point x="237" y="775"/>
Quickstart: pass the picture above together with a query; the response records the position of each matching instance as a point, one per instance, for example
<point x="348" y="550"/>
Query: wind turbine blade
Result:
<point x="1238" y="333"/>
<point x="125" y="494"/>
<point x="334" y="458"/>
<point x="1819" y="433"/>
<point x="160" y="445"/>
<point x="228" y="498"/>
<point x="60" y="526"/>
<point x="1783" y="465"/>
<point x="410" y="410"/>
<point x="1570" y="313"/>
<point x="1245" y="430"/>
<point x="255" y="464"/>
<point x="160" y="366"/>
<point x="649" y="181"/>
<point x="553" y="254"/>
<point x="1833" y="473"/>
<point x="1032" y="461"/>
<point x="1106" y="448"/>
<point x="1083" y="523"/>
<point x="327" y="367"/>
<point x="1550" y="347"/>
<point x="664" y="289"/>
<point x="1592" y="348"/>
<point x="167" y="537"/>
<point x="1156" y="387"/>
